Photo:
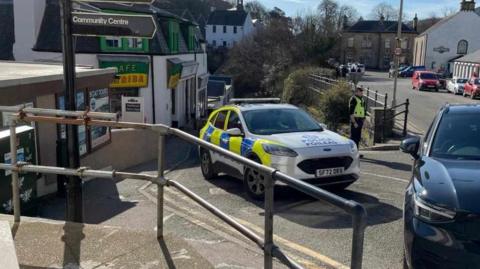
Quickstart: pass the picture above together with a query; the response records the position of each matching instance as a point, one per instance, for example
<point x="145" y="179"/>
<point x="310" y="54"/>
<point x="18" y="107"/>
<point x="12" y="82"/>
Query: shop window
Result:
<point x="99" y="102"/>
<point x="116" y="98"/>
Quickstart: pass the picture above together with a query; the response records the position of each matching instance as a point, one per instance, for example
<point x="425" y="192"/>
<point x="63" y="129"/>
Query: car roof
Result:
<point x="462" y="108"/>
<point x="249" y="107"/>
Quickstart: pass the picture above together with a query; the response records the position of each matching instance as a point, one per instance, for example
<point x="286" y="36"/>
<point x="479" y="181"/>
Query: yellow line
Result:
<point x="297" y="247"/>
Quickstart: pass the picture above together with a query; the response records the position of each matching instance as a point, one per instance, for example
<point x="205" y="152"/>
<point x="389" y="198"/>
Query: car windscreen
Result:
<point x="457" y="136"/>
<point x="279" y="120"/>
<point x="462" y="80"/>
<point x="428" y="76"/>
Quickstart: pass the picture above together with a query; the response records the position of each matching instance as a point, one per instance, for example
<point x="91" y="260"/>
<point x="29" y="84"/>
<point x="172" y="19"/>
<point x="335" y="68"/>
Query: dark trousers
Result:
<point x="356" y="133"/>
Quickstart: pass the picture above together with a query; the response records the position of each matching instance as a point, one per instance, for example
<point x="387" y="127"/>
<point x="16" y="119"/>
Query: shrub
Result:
<point x="334" y="105"/>
<point x="297" y="85"/>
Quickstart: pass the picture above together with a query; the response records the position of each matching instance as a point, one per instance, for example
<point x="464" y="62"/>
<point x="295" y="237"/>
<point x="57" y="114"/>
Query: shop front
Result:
<point x="182" y="82"/>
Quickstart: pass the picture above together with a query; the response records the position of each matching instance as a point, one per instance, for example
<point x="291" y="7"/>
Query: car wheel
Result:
<point x="254" y="182"/>
<point x="208" y="171"/>
<point x="472" y="96"/>
<point x="464" y="94"/>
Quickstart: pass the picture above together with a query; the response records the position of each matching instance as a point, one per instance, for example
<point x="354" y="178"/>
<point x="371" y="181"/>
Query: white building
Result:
<point x="449" y="39"/>
<point x="227" y="27"/>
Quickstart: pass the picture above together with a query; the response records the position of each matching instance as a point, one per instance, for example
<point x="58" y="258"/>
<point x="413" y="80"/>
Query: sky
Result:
<point x="424" y="8"/>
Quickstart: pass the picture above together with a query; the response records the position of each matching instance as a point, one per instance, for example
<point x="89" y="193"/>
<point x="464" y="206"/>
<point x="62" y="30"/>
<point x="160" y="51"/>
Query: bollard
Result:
<point x="160" y="190"/>
<point x="268" y="247"/>
<point x="15" y="183"/>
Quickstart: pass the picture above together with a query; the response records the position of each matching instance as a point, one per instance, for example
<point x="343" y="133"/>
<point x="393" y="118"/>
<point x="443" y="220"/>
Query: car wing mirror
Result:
<point x="411" y="146"/>
<point x="234" y="132"/>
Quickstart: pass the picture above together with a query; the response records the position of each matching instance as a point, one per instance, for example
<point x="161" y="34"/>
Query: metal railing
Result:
<point x="20" y="114"/>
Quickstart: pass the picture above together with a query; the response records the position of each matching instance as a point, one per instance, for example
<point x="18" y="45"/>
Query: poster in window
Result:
<point x="99" y="102"/>
<point x="82" y="130"/>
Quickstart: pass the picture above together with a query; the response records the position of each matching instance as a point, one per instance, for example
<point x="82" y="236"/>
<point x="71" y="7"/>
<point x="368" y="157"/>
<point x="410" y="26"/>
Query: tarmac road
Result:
<point x="424" y="104"/>
<point x="314" y="232"/>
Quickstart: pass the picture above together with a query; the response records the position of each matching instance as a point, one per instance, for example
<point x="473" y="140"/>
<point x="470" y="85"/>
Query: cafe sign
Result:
<point x="129" y="74"/>
<point x="174" y="72"/>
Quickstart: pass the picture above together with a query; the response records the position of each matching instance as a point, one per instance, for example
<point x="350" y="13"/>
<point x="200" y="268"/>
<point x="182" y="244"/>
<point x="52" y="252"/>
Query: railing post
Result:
<point x="15" y="183"/>
<point x="368" y="98"/>
<point x="359" y="219"/>
<point x="376" y="97"/>
<point x="160" y="173"/>
<point x="384" y="118"/>
<point x="407" y="104"/>
<point x="268" y="257"/>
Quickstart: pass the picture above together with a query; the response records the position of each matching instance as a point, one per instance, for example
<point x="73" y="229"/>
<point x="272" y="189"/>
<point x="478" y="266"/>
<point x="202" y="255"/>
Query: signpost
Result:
<point x="91" y="24"/>
<point x="106" y="24"/>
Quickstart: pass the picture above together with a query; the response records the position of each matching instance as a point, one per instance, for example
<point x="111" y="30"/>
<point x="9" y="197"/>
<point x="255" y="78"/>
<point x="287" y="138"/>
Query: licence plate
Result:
<point x="329" y="172"/>
<point x="431" y="86"/>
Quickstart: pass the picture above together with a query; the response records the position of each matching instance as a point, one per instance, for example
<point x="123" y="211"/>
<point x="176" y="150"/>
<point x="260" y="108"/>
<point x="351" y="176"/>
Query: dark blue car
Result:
<point x="408" y="72"/>
<point x="442" y="201"/>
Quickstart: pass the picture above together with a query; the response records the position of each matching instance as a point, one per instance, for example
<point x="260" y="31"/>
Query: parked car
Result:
<point x="280" y="136"/>
<point x="472" y="88"/>
<point x="442" y="78"/>
<point x="456" y="85"/>
<point x="408" y="72"/>
<point x="425" y="80"/>
<point x="361" y="67"/>
<point x="442" y="199"/>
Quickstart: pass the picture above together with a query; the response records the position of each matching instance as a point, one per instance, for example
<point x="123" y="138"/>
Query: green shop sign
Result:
<point x="174" y="72"/>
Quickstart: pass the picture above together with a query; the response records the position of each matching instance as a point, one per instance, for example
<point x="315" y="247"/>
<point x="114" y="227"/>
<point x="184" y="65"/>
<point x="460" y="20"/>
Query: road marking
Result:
<point x="387" y="177"/>
<point x="302" y="249"/>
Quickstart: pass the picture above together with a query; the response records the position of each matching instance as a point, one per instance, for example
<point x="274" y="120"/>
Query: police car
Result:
<point x="281" y="136"/>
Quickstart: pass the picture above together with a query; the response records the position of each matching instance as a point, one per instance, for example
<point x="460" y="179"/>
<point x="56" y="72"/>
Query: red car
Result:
<point x="472" y="88"/>
<point x="425" y="80"/>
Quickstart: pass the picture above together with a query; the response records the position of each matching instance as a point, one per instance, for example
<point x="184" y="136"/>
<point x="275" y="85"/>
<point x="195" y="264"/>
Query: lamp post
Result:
<point x="397" y="54"/>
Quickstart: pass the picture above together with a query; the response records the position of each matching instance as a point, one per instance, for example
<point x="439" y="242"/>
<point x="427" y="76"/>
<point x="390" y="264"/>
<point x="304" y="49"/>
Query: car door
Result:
<point x="218" y="131"/>
<point x="451" y="85"/>
<point x="235" y="142"/>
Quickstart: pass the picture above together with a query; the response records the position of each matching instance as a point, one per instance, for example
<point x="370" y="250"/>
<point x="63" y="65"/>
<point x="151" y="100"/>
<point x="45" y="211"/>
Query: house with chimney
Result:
<point x="449" y="39"/>
<point x="373" y="42"/>
<point x="227" y="27"/>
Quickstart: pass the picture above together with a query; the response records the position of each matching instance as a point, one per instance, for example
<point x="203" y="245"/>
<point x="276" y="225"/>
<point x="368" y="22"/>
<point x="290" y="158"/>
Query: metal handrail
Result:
<point x="356" y="210"/>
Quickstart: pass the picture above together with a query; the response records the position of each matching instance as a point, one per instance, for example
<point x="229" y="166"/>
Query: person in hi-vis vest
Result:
<point x="357" y="115"/>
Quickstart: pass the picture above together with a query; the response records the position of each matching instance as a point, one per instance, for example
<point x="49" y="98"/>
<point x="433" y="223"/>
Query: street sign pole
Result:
<point x="397" y="60"/>
<point x="74" y="206"/>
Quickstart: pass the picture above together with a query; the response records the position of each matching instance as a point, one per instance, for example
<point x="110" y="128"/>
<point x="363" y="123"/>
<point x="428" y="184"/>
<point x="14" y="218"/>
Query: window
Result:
<point x="113" y="42"/>
<point x="99" y="102"/>
<point x="191" y="38"/>
<point x="350" y="42"/>
<point x="214" y="29"/>
<point x="224" y="29"/>
<point x="234" y="29"/>
<point x="234" y="121"/>
<point x="404" y="43"/>
<point x="462" y="47"/>
<point x="366" y="42"/>
<point x="214" y="43"/>
<point x="387" y="43"/>
<point x="220" y="120"/>
<point x="173" y="36"/>
<point x="224" y="43"/>
<point x="135" y="43"/>
<point x="173" y="100"/>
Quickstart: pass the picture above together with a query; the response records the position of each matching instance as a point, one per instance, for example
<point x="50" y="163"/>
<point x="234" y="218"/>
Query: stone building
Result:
<point x="373" y="43"/>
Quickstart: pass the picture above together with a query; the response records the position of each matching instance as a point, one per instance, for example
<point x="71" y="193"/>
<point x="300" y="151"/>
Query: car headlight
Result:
<point x="279" y="150"/>
<point x="431" y="213"/>
<point x="353" y="146"/>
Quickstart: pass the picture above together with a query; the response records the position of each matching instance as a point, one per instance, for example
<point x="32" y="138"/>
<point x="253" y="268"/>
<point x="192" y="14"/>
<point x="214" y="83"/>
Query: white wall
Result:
<point x="28" y="18"/>
<point x="461" y="26"/>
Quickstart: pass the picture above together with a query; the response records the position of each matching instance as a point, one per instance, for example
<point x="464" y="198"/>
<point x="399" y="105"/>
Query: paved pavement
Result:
<point x="424" y="104"/>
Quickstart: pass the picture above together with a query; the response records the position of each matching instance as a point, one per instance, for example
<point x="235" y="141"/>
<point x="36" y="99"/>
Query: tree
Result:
<point x="257" y="10"/>
<point x="388" y="12"/>
<point x="448" y="11"/>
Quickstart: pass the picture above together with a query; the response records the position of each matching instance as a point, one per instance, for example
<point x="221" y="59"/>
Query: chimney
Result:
<point x="467" y="5"/>
<point x="415" y="23"/>
<point x="239" y="4"/>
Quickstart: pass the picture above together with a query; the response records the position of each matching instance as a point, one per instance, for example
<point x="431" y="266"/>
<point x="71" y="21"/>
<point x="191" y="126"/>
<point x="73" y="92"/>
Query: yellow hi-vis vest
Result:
<point x="359" y="111"/>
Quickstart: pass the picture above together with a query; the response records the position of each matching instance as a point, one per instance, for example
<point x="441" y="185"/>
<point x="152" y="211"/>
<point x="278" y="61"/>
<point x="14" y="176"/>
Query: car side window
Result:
<point x="220" y="120"/>
<point x="234" y="121"/>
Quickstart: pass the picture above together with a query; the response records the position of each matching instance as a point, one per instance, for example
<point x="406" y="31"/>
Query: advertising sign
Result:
<point x="130" y="74"/>
<point x="133" y="109"/>
<point x="99" y="102"/>
<point x="174" y="73"/>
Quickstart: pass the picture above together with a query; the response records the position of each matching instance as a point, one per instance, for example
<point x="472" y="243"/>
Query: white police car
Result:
<point x="281" y="136"/>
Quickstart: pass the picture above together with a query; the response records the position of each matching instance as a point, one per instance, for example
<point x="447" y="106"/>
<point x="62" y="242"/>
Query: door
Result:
<point x="235" y="142"/>
<point x="218" y="135"/>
